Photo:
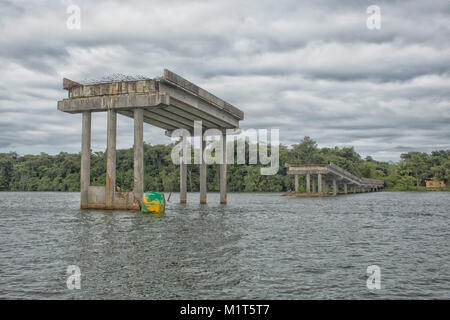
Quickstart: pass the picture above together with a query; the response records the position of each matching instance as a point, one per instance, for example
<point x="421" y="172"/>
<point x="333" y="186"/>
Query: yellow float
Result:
<point x="154" y="203"/>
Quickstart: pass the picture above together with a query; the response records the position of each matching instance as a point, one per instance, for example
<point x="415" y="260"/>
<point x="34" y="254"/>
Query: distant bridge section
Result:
<point x="321" y="177"/>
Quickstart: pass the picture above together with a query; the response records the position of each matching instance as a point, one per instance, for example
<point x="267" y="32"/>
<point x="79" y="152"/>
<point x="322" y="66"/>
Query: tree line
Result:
<point x="61" y="172"/>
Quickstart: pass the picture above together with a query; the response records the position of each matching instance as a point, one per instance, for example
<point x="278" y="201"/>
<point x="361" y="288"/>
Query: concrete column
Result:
<point x="203" y="175"/>
<point x="183" y="177"/>
<point x="296" y="183"/>
<point x="223" y="171"/>
<point x="319" y="183"/>
<point x="314" y="190"/>
<point x="85" y="172"/>
<point x="138" y="188"/>
<point x="335" y="189"/>
<point x="345" y="188"/>
<point x="111" y="159"/>
<point x="308" y="183"/>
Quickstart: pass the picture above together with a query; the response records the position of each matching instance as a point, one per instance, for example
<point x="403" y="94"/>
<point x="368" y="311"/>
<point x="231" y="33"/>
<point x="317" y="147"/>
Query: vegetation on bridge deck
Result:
<point x="62" y="172"/>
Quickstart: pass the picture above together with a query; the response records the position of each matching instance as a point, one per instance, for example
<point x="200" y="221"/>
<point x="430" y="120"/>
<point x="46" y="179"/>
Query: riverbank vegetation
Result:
<point x="61" y="172"/>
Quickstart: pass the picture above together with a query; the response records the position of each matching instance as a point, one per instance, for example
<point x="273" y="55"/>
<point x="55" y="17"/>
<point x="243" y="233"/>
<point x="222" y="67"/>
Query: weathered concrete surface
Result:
<point x="308" y="182"/>
<point x="203" y="176"/>
<point x="85" y="170"/>
<point x="223" y="172"/>
<point x="169" y="102"/>
<point x="122" y="200"/>
<point x="111" y="158"/>
<point x="138" y="188"/>
<point x="96" y="197"/>
<point x="319" y="183"/>
<point x="183" y="182"/>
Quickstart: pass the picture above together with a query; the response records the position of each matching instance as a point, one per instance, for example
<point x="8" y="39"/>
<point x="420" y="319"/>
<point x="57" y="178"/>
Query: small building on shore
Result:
<point x="435" y="184"/>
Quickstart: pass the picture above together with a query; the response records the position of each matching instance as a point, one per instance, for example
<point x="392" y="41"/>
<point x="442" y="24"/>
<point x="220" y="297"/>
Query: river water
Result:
<point x="259" y="246"/>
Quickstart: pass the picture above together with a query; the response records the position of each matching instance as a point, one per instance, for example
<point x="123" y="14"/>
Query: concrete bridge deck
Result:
<point x="327" y="175"/>
<point x="169" y="102"/>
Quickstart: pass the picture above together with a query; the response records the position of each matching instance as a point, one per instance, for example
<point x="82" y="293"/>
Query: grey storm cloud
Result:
<point x="305" y="67"/>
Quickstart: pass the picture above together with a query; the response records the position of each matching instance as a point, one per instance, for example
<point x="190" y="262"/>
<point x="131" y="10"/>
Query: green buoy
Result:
<point x="154" y="203"/>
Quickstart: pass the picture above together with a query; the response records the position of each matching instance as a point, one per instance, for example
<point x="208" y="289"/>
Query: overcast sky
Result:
<point x="306" y="67"/>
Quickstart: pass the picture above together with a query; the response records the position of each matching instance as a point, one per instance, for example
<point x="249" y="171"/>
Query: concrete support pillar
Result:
<point x="314" y="190"/>
<point x="308" y="183"/>
<point x="345" y="188"/>
<point x="183" y="183"/>
<point x="111" y="159"/>
<point x="85" y="172"/>
<point x="335" y="189"/>
<point x="296" y="183"/>
<point x="319" y="183"/>
<point x="203" y="175"/>
<point x="138" y="188"/>
<point x="223" y="171"/>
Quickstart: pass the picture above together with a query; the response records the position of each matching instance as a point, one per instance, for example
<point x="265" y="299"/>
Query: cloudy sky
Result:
<point x="306" y="67"/>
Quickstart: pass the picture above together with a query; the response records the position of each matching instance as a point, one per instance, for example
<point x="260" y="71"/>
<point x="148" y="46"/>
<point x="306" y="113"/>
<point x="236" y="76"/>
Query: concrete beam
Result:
<point x="111" y="159"/>
<point x="296" y="183"/>
<point x="223" y="172"/>
<point x="147" y="119"/>
<point x="192" y="117"/>
<point x="168" y="114"/>
<point x="335" y="188"/>
<point x="119" y="102"/>
<point x="168" y="121"/>
<point x="319" y="183"/>
<point x="203" y="175"/>
<point x="308" y="182"/>
<point x="183" y="182"/>
<point x="85" y="170"/>
<point x="179" y="97"/>
<point x="186" y="85"/>
<point x="203" y="113"/>
<point x="138" y="189"/>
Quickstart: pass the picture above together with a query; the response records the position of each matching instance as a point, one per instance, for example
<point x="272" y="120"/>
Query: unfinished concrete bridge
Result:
<point x="169" y="102"/>
<point x="319" y="178"/>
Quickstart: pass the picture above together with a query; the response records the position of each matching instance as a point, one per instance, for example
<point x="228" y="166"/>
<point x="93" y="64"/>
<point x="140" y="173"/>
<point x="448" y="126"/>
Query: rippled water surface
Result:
<point x="258" y="246"/>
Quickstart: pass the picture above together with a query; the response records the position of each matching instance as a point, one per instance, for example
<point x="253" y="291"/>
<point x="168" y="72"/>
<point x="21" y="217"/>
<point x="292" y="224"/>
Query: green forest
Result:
<point x="61" y="172"/>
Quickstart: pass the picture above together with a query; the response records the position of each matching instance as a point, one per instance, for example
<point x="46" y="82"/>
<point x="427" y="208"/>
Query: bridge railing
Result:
<point x="344" y="173"/>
